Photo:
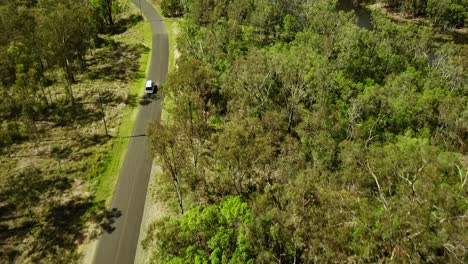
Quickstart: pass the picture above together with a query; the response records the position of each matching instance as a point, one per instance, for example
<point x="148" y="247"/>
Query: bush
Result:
<point x="446" y="13"/>
<point x="11" y="132"/>
<point x="414" y="7"/>
<point x="172" y="8"/>
<point x="410" y="7"/>
<point x="456" y="15"/>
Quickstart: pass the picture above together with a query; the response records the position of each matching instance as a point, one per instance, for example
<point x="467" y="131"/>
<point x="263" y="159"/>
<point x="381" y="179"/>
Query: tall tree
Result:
<point x="105" y="12"/>
<point x="204" y="234"/>
<point x="66" y="26"/>
<point x="167" y="148"/>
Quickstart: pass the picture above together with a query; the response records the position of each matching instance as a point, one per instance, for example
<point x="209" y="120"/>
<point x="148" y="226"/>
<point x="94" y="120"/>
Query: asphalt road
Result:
<point x="120" y="245"/>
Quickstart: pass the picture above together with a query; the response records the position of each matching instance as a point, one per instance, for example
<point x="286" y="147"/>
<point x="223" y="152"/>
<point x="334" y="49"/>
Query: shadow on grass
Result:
<point x="124" y="24"/>
<point x="109" y="97"/>
<point x="116" y="62"/>
<point x="45" y="219"/>
<point x="131" y="100"/>
<point x="67" y="114"/>
<point x="93" y="140"/>
<point x="134" y="136"/>
<point x="460" y="38"/>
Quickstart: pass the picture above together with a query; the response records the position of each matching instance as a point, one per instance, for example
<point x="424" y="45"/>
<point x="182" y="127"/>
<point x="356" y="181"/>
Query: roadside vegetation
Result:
<point x="66" y="67"/>
<point x="298" y="137"/>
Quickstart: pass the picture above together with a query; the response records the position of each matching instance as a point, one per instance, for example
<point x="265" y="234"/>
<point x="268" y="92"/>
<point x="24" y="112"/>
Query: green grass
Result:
<point x="172" y="25"/>
<point x="113" y="164"/>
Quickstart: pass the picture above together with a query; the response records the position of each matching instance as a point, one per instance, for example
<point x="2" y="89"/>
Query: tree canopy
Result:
<point x="345" y="144"/>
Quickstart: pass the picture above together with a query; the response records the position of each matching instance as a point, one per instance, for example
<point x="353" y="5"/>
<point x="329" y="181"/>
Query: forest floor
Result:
<point x="57" y="183"/>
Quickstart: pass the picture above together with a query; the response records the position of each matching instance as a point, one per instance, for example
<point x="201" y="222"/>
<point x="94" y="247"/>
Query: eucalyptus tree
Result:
<point x="166" y="145"/>
<point x="105" y="12"/>
<point x="205" y="234"/>
<point x="22" y="61"/>
<point x="67" y="28"/>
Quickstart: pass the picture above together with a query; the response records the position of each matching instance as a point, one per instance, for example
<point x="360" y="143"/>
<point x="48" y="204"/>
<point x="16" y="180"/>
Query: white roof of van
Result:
<point x="149" y="83"/>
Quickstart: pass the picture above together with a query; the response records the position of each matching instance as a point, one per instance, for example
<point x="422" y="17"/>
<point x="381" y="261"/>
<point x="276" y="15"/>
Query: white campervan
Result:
<point x="150" y="87"/>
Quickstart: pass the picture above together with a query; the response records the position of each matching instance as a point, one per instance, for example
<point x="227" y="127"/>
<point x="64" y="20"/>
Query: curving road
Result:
<point x="120" y="245"/>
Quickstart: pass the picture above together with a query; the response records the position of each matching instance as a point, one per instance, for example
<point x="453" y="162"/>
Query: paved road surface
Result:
<point x="129" y="196"/>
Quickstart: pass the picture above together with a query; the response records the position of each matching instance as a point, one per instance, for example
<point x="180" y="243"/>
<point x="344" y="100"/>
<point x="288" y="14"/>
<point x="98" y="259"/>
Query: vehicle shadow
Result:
<point x="149" y="98"/>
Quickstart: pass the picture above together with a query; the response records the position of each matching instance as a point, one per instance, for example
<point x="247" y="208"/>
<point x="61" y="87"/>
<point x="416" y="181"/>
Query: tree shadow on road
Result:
<point x="108" y="219"/>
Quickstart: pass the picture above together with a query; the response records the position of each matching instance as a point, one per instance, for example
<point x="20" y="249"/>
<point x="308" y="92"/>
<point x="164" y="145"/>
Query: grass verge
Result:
<point x="172" y="25"/>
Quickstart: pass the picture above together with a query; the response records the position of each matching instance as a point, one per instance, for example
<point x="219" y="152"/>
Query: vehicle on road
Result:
<point x="151" y="87"/>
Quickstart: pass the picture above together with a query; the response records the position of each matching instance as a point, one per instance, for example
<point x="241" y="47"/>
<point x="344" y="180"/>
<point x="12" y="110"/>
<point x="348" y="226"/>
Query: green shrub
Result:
<point x="414" y="7"/>
<point x="456" y="15"/>
<point x="447" y="13"/>
<point x="172" y="8"/>
<point x="11" y="132"/>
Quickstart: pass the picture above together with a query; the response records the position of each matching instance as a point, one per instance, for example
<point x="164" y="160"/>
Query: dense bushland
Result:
<point x="297" y="137"/>
<point x="38" y="38"/>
